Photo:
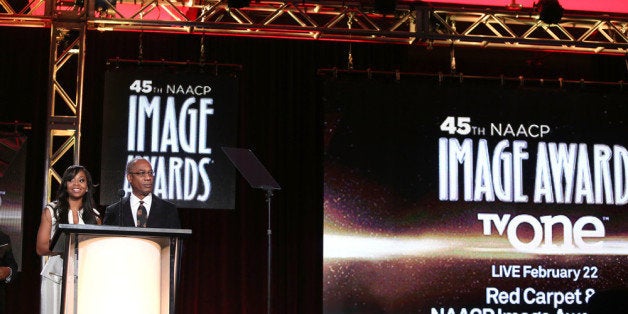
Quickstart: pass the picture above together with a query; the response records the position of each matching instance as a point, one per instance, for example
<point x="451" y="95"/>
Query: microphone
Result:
<point x="121" y="195"/>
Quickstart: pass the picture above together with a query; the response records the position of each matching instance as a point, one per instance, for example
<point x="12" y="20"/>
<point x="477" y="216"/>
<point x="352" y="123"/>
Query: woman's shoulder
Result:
<point x="51" y="206"/>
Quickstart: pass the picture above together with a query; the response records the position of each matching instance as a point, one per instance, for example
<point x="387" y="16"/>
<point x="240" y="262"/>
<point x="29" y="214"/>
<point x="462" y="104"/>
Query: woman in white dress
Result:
<point x="74" y="204"/>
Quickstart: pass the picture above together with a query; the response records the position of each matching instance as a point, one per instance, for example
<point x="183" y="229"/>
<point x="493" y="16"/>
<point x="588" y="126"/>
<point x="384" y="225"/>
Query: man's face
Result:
<point x="141" y="178"/>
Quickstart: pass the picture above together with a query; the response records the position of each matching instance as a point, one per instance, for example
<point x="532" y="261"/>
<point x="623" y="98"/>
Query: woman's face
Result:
<point x="77" y="187"/>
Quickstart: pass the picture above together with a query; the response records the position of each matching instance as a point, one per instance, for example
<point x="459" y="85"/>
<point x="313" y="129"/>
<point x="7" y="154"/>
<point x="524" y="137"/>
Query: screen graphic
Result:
<point x="177" y="118"/>
<point x="473" y="197"/>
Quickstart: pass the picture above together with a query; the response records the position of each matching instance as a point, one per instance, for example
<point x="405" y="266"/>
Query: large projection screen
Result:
<point x="450" y="196"/>
<point x="177" y="117"/>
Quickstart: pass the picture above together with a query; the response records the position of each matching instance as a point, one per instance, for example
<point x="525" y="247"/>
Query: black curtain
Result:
<point x="224" y="265"/>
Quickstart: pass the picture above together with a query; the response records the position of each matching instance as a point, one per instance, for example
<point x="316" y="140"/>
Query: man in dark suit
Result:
<point x="8" y="267"/>
<point x="142" y="208"/>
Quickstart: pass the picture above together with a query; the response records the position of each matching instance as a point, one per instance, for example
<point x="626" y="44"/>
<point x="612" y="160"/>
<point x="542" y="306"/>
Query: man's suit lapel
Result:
<point x="127" y="216"/>
<point x="154" y="214"/>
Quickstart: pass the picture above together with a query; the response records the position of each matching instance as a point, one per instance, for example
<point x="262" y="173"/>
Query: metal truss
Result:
<point x="65" y="99"/>
<point x="412" y="23"/>
<point x="65" y="88"/>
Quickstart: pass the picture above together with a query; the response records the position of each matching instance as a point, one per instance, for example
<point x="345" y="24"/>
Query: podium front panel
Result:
<point x="119" y="274"/>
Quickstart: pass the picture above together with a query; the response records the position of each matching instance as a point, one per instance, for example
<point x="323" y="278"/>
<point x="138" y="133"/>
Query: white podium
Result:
<point x="111" y="269"/>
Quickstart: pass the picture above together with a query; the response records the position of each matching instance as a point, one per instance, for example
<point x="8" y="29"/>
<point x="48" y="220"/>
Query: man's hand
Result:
<point x="4" y="272"/>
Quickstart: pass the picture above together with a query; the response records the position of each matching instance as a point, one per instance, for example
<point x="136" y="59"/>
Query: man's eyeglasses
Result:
<point x="143" y="173"/>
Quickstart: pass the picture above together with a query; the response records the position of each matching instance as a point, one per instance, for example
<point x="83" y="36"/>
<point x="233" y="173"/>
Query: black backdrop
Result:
<point x="224" y="263"/>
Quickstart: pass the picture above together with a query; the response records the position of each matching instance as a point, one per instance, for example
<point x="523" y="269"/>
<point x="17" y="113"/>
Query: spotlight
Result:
<point x="550" y="11"/>
<point x="105" y="7"/>
<point x="514" y="6"/>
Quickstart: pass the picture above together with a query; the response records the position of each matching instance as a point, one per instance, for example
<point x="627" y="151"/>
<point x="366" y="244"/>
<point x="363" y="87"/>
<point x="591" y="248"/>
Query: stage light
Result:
<point x="514" y="6"/>
<point x="105" y="5"/>
<point x="100" y="5"/>
<point x="550" y="11"/>
<point x="238" y="3"/>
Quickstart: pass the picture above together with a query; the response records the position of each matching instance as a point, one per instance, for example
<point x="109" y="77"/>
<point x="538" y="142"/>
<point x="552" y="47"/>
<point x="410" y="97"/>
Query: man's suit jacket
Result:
<point x="163" y="214"/>
<point x="6" y="259"/>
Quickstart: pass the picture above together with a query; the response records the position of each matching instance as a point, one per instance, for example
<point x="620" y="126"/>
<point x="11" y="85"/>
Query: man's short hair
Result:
<point x="131" y="163"/>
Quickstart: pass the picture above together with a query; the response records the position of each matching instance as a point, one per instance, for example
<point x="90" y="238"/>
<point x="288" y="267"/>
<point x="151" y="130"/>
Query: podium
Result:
<point x="109" y="269"/>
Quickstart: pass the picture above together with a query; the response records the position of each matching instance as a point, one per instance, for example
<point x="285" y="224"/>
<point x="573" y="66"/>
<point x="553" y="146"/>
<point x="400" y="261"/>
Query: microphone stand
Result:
<point x="269" y="194"/>
<point x="121" y="195"/>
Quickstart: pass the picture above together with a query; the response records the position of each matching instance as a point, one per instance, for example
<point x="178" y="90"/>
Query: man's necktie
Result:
<point x="141" y="215"/>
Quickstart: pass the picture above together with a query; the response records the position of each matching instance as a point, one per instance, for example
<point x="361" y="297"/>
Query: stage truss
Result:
<point x="412" y="23"/>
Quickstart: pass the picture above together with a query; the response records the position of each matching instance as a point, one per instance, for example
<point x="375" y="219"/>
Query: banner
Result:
<point x="12" y="174"/>
<point x="177" y="117"/>
<point x="473" y="197"/>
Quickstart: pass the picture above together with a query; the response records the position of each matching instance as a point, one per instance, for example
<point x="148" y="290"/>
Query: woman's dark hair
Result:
<point x="63" y="206"/>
